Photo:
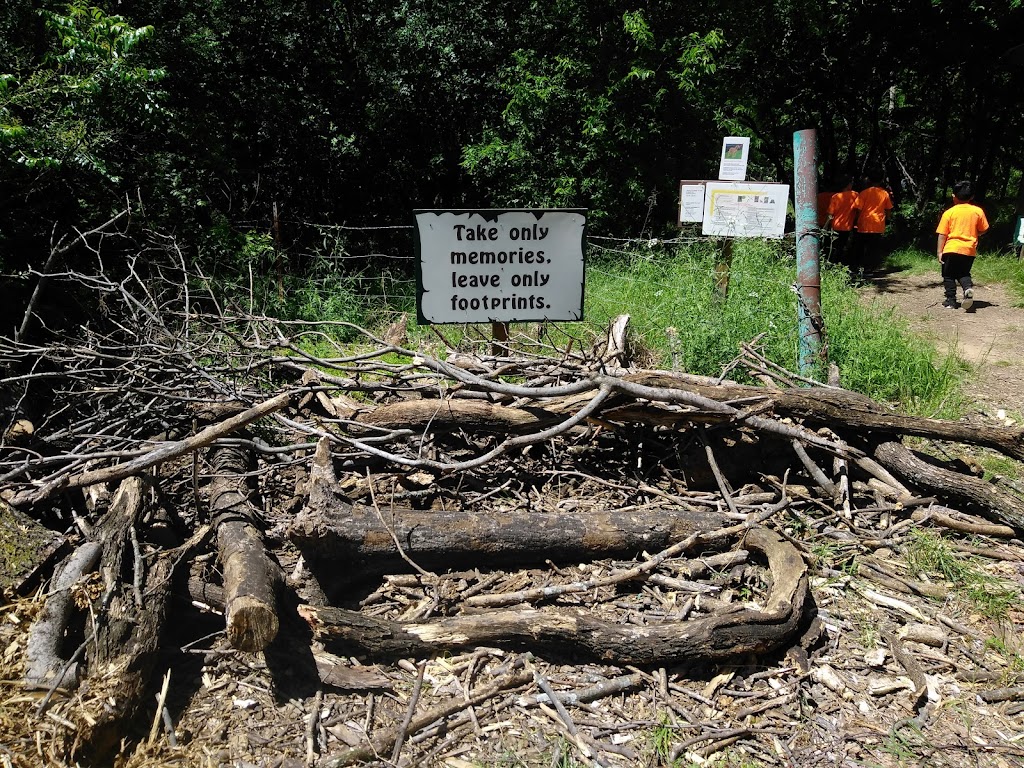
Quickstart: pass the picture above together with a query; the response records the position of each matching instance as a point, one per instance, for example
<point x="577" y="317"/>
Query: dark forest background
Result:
<point x="227" y="127"/>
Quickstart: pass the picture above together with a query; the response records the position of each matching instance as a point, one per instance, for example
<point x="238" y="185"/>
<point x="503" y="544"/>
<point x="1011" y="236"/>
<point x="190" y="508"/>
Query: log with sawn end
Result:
<point x="251" y="577"/>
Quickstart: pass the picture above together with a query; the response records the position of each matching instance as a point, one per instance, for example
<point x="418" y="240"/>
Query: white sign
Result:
<point x="745" y="209"/>
<point x="735" y="150"/>
<point x="483" y="266"/>
<point x="691" y="202"/>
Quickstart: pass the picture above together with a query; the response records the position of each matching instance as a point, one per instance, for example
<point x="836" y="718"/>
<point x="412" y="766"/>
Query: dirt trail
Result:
<point x="990" y="337"/>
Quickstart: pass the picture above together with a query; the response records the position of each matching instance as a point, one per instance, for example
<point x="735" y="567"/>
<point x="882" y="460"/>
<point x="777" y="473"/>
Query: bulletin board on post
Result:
<point x="499" y="265"/>
<point x="734" y="208"/>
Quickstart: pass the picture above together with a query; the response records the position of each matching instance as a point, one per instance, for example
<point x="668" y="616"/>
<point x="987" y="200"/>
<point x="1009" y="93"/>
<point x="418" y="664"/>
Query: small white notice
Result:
<point x="735" y="151"/>
<point x="478" y="266"/>
<point x="745" y="209"/>
<point x="691" y="202"/>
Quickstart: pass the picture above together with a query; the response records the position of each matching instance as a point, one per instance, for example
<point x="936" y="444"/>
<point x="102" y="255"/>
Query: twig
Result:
<point x="414" y="699"/>
<point x="160" y="699"/>
<point x="909" y="663"/>
<point x="312" y="723"/>
<point x="723" y="484"/>
<point x="585" y="695"/>
<point x="815" y="471"/>
<point x="432" y="578"/>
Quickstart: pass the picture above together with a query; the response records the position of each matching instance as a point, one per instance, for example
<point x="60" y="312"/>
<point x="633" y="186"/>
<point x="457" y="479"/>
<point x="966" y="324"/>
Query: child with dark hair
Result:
<point x="957" y="244"/>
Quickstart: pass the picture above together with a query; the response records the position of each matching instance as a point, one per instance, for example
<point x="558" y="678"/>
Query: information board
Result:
<point x="745" y="209"/>
<point x="477" y="266"/>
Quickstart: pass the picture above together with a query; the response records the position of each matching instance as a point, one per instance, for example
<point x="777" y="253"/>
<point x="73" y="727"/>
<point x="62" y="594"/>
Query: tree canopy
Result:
<point x="208" y="116"/>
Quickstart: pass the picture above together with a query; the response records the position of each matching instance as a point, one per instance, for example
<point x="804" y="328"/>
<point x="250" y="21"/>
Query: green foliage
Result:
<point x="72" y="109"/>
<point x="267" y="285"/>
<point x="597" y="123"/>
<point x="697" y="59"/>
<point x="879" y="356"/>
<point x="929" y="553"/>
<point x="671" y="298"/>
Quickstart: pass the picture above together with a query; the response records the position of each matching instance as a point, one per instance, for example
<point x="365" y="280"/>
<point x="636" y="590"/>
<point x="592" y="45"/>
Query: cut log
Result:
<point x="984" y="498"/>
<point x="577" y="632"/>
<point x="251" y="577"/>
<point x="352" y="541"/>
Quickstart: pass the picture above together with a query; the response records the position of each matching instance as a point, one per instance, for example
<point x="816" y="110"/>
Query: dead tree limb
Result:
<point x="251" y="578"/>
<point x="843" y="409"/>
<point x="576" y="631"/>
<point x="330" y="529"/>
<point x="990" y="502"/>
<point x="124" y="646"/>
<point x="165" y="452"/>
<point x="45" y="667"/>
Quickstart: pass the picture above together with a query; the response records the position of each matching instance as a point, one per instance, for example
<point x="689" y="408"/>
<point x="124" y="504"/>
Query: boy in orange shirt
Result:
<point x="871" y="206"/>
<point x="841" y="216"/>
<point x="957" y="244"/>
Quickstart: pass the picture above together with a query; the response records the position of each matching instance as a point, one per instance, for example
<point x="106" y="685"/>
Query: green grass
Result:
<point x="928" y="553"/>
<point x="678" y="320"/>
<point x="671" y="299"/>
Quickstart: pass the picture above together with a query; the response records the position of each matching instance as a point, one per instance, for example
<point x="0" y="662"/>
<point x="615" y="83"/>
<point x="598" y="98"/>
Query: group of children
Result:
<point x="857" y="221"/>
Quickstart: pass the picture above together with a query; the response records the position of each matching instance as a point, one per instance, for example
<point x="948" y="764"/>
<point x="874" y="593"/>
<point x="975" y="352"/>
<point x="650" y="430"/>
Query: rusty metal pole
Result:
<point x="808" y="268"/>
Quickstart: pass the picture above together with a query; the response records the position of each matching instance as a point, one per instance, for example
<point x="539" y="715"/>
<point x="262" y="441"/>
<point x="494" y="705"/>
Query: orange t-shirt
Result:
<point x="961" y="225"/>
<point x="824" y="198"/>
<point x="841" y="210"/>
<point x="872" y="203"/>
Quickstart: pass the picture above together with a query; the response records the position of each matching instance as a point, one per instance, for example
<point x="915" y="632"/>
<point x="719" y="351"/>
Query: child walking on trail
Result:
<point x="957" y="244"/>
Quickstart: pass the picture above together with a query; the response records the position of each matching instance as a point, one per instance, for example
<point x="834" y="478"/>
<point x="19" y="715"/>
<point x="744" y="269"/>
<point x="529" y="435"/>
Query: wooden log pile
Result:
<point x="527" y="503"/>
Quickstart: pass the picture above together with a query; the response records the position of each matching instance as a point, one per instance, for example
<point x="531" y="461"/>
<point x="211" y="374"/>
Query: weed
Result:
<point x="661" y="741"/>
<point x="929" y="553"/>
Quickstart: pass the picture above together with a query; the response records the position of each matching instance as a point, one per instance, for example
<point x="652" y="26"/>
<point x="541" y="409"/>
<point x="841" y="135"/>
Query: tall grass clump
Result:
<point x="264" y="283"/>
<point x="878" y="354"/>
<point x="671" y="299"/>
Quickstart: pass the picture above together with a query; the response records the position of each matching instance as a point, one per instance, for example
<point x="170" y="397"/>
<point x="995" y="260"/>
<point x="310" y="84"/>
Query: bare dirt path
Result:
<point x="990" y="337"/>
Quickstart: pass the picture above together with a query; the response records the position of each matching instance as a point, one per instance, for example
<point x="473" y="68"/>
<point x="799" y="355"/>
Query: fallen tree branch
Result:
<point x="990" y="502"/>
<point x="577" y="631"/>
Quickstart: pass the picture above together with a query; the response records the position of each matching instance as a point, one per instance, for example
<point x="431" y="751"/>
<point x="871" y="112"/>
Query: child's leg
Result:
<point x="948" y="281"/>
<point x="965" y="277"/>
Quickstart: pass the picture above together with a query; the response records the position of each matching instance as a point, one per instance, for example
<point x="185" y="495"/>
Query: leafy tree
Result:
<point x="602" y="112"/>
<point x="68" y="119"/>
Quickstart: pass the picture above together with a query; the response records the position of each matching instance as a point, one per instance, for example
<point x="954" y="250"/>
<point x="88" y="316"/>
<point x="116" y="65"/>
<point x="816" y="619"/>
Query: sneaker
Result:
<point x="950" y="304"/>
<point x="968" y="301"/>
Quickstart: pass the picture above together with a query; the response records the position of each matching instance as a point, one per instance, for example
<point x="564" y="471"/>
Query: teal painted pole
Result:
<point x="808" y="268"/>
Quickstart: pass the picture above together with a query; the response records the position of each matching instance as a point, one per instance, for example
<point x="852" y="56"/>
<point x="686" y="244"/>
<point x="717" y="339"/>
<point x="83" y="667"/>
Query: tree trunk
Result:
<point x="343" y="541"/>
<point x="124" y="649"/>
